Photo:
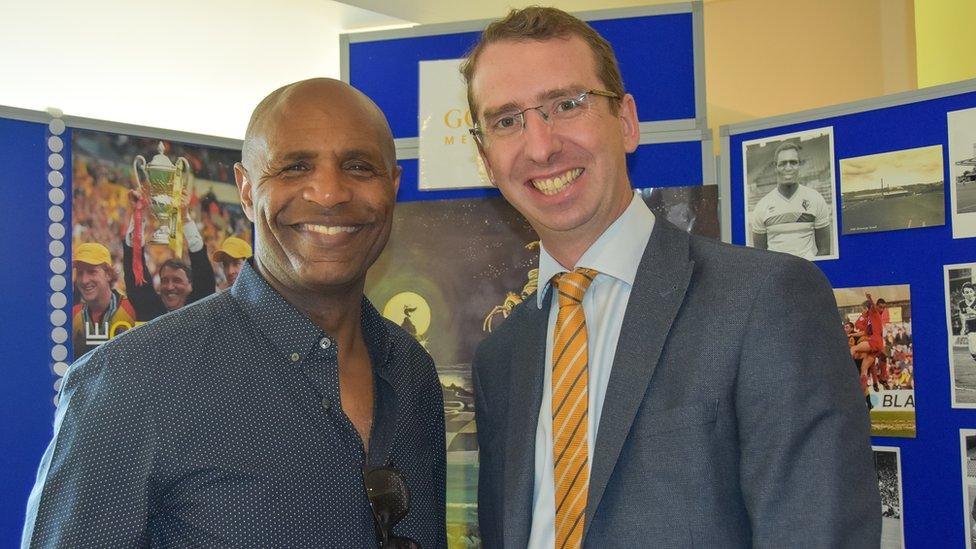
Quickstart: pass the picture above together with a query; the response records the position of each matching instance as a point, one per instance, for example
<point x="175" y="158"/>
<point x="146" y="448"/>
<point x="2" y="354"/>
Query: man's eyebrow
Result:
<point x="293" y="156"/>
<point x="561" y="92"/>
<point x="368" y="154"/>
<point x="376" y="157"/>
<point x="509" y="107"/>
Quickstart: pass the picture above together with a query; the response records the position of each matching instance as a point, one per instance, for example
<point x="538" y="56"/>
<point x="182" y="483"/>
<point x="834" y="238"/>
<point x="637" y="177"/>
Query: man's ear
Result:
<point x="629" y="125"/>
<point x="244" y="189"/>
<point x="485" y="163"/>
<point x="397" y="172"/>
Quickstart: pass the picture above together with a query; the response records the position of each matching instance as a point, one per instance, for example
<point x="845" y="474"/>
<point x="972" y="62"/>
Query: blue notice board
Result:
<point x="26" y="393"/>
<point x="934" y="506"/>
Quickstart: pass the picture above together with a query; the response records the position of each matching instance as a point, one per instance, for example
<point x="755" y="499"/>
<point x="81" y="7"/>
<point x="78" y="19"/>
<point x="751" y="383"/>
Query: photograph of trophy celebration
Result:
<point x="157" y="225"/>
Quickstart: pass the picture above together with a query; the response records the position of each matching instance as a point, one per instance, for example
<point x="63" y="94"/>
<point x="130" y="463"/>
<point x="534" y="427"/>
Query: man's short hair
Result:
<point x="787" y="146"/>
<point x="543" y="23"/>
<point x="967" y="285"/>
<point x="177" y="264"/>
<point x="111" y="273"/>
<point x="881" y="301"/>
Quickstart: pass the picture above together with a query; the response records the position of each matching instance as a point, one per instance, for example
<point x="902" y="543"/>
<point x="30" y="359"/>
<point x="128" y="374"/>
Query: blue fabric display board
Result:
<point x="25" y="340"/>
<point x="660" y="51"/>
<point x="889" y="235"/>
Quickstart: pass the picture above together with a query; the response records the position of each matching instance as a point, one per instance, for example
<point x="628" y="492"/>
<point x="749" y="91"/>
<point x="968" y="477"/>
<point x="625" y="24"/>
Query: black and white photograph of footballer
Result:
<point x="967" y="442"/>
<point x="960" y="306"/>
<point x="887" y="463"/>
<point x="962" y="172"/>
<point x="790" y="198"/>
<point x="893" y="190"/>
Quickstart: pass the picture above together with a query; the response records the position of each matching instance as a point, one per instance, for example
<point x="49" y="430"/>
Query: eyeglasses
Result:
<point x="389" y="498"/>
<point x="511" y="124"/>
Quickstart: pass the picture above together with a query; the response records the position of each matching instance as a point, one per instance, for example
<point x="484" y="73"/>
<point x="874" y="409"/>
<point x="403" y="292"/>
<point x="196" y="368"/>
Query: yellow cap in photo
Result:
<point x="233" y="248"/>
<point x="92" y="253"/>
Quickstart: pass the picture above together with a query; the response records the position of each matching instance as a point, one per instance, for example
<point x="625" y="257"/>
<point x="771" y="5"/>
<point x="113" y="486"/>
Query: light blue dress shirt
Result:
<point x="616" y="255"/>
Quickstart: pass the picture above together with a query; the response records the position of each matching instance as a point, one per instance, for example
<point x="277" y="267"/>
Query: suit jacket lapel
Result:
<point x="659" y="289"/>
<point x="527" y="376"/>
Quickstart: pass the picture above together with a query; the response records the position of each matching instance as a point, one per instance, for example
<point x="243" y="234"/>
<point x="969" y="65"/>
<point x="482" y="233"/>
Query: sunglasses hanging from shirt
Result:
<point x="389" y="498"/>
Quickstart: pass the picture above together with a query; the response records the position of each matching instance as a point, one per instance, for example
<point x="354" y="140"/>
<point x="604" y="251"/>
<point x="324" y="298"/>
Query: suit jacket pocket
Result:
<point x="679" y="418"/>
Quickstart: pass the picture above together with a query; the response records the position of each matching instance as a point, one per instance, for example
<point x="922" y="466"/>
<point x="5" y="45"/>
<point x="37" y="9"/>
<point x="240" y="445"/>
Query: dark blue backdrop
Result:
<point x="26" y="392"/>
<point x="931" y="482"/>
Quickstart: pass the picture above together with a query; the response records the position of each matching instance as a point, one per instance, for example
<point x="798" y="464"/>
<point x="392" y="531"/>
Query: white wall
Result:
<point x="195" y="66"/>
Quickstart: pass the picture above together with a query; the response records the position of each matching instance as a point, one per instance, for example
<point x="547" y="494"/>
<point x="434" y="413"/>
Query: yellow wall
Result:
<point x="945" y="34"/>
<point x="770" y="57"/>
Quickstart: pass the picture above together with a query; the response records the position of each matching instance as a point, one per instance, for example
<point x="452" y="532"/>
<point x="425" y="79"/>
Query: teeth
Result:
<point x="328" y="229"/>
<point x="556" y="184"/>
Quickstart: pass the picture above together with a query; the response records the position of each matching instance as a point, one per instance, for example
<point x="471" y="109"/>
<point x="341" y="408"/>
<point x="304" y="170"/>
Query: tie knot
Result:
<point x="572" y="286"/>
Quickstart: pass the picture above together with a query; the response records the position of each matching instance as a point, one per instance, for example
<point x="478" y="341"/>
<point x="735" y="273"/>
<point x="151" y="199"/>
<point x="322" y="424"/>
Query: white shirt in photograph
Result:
<point x="788" y="223"/>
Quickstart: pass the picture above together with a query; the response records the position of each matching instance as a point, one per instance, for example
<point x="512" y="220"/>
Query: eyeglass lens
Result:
<point x="561" y="108"/>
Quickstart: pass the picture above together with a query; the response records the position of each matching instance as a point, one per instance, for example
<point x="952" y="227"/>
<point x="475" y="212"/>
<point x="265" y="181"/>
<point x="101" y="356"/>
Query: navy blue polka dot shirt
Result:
<point x="219" y="425"/>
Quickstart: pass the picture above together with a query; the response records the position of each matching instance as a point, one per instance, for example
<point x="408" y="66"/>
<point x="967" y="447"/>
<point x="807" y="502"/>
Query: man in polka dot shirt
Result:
<point x="246" y="419"/>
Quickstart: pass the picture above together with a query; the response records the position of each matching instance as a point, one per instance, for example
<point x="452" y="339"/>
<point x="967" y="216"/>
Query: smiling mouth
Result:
<point x="327" y="229"/>
<point x="556" y="184"/>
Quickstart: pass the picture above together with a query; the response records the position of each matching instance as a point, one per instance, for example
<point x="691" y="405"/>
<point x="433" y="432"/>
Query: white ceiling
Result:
<point x="181" y="64"/>
<point x="427" y="12"/>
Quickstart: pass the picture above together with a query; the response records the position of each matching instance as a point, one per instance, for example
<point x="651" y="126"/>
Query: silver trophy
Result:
<point x="162" y="184"/>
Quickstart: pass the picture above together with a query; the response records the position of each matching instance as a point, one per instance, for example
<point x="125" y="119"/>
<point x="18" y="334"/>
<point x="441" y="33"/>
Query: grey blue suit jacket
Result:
<point x="733" y="415"/>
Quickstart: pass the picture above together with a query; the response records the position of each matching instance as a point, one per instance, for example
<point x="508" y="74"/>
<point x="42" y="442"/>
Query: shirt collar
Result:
<point x="617" y="253"/>
<point x="290" y="330"/>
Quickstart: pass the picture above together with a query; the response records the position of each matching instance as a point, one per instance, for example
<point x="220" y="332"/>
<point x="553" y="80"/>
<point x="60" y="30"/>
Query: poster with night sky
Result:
<point x="452" y="270"/>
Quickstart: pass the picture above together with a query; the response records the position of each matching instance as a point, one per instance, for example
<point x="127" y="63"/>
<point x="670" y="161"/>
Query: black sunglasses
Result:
<point x="389" y="498"/>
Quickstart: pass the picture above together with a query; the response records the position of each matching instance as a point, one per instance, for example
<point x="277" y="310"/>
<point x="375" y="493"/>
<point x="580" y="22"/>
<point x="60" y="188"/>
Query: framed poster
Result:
<point x="122" y="276"/>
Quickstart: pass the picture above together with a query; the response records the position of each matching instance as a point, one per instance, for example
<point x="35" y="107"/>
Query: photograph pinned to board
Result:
<point x="960" y="307"/>
<point x="878" y="324"/>
<point x="893" y="190"/>
<point x="962" y="172"/>
<point x="790" y="199"/>
<point x="967" y="444"/>
<point x="887" y="464"/>
<point x="156" y="225"/>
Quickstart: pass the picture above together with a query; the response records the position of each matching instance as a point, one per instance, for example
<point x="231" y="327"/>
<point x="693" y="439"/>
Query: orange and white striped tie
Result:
<point x="570" y="403"/>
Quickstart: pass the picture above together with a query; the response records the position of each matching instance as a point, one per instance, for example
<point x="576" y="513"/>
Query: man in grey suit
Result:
<point x="718" y="407"/>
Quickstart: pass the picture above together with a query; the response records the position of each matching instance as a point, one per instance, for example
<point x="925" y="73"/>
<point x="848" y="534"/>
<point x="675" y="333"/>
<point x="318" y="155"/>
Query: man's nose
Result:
<point x="541" y="141"/>
<point x="327" y="188"/>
